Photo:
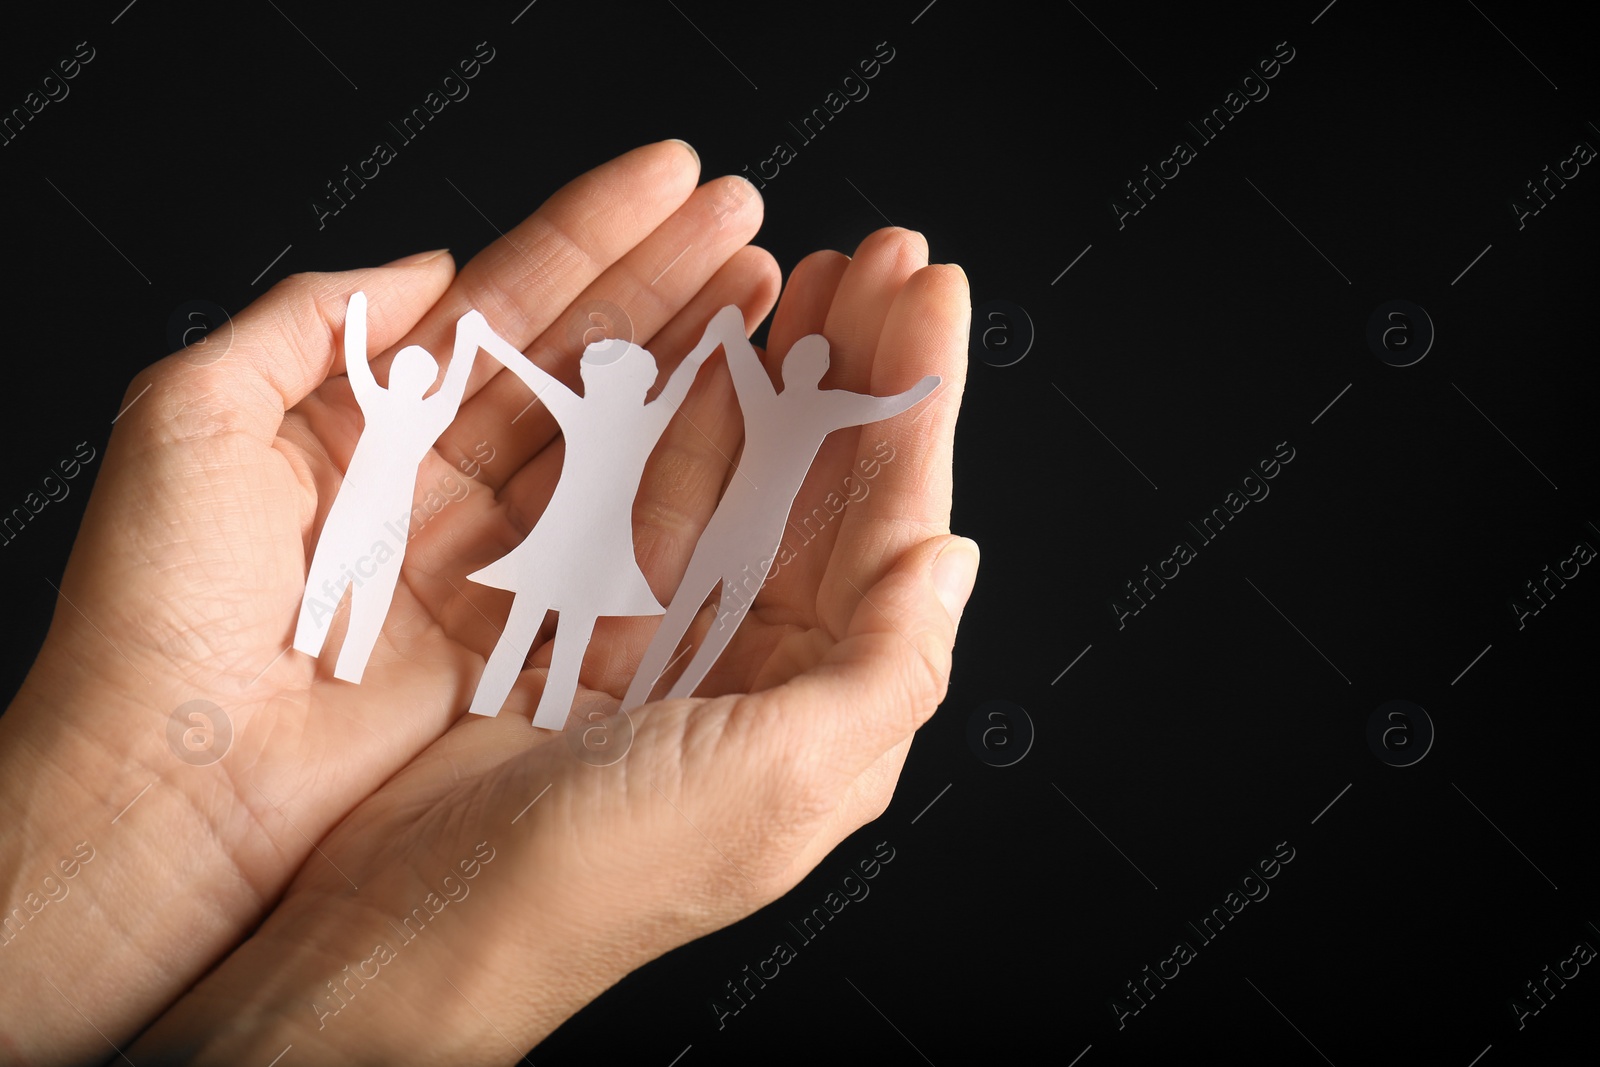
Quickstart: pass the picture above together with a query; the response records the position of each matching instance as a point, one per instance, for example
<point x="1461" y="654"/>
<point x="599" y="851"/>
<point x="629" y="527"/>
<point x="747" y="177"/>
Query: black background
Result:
<point x="1223" y="718"/>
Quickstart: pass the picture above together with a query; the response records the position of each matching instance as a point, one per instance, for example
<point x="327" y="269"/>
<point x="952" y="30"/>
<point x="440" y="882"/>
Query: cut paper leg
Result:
<point x="505" y="662"/>
<point x="566" y="659"/>
<point x="369" y="605"/>
<point x="316" y="612"/>
<point x="680" y="614"/>
<point x="712" y="646"/>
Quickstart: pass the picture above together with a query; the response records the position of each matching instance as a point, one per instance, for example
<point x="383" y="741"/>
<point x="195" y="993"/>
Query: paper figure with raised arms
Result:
<point x="578" y="560"/>
<point x="783" y="432"/>
<point x="354" y="550"/>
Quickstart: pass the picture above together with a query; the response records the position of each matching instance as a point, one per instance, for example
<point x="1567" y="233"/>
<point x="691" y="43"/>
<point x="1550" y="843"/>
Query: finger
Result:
<point x="522" y="281"/>
<point x="866" y="291"/>
<point x="890" y="671"/>
<point x="866" y="799"/>
<point x="882" y="263"/>
<point x="651" y="283"/>
<point x="806" y="300"/>
<point x="830" y="742"/>
<point x="525" y="278"/>
<point x="909" y="500"/>
<point x="750" y="279"/>
<point x="281" y="348"/>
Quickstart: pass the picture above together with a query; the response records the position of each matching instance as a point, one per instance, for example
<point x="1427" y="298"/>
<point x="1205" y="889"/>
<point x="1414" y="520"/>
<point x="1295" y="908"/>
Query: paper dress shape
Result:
<point x="578" y="559"/>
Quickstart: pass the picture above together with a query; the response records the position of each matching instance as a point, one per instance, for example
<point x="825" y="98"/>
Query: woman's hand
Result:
<point x="506" y="876"/>
<point x="188" y="572"/>
<point x="187" y="577"/>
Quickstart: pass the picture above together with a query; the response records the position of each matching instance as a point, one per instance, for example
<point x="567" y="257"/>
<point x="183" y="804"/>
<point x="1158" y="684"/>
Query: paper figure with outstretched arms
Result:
<point x="783" y="432"/>
<point x="355" y="550"/>
<point x="578" y="559"/>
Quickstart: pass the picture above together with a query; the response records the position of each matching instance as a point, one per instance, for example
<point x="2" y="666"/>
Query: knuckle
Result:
<point x="173" y="401"/>
<point x="922" y="679"/>
<point x="297" y="299"/>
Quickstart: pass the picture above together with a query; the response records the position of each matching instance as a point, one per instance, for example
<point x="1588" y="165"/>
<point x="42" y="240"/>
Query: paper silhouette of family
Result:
<point x="578" y="559"/>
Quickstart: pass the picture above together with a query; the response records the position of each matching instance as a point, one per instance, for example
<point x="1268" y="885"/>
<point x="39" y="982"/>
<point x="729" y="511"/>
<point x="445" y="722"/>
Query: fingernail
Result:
<point x="420" y="257"/>
<point x="690" y="147"/>
<point x="750" y="191"/>
<point x="954" y="573"/>
<point x="920" y="242"/>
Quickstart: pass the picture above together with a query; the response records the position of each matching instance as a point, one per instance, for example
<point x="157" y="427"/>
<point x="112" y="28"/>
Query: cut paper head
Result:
<point x="806" y="362"/>
<point x="412" y="371"/>
<point x="615" y="367"/>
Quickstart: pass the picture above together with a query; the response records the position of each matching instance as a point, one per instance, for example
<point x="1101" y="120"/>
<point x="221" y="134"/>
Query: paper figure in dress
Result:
<point x="578" y="560"/>
<point x="354" y="551"/>
<point x="783" y="431"/>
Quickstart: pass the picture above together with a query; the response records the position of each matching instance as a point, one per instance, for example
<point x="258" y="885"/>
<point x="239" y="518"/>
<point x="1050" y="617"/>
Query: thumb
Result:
<point x="280" y="348"/>
<point x="889" y="673"/>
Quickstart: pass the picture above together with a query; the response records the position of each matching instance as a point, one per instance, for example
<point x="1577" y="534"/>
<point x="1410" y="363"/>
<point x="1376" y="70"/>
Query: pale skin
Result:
<point x="208" y="921"/>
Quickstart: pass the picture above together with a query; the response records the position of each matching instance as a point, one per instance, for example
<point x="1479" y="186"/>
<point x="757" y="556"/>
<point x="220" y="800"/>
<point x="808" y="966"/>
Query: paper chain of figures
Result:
<point x="578" y="559"/>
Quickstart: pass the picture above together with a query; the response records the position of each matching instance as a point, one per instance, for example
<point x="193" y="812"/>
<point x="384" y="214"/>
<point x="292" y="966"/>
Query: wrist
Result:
<point x="104" y="857"/>
<point x="348" y="980"/>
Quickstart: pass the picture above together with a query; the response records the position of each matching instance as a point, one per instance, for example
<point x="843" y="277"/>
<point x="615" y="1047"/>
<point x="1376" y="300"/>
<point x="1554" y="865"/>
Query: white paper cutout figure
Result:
<point x="782" y="434"/>
<point x="354" y="550"/>
<point x="578" y="559"/>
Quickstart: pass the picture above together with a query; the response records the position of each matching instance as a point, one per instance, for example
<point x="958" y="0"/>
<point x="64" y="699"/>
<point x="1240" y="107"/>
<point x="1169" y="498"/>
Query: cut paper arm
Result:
<point x="555" y="396"/>
<point x="859" y="410"/>
<point x="356" y="368"/>
<point x="783" y="433"/>
<point x="726" y="328"/>
<point x="750" y="381"/>
<point x="444" y="404"/>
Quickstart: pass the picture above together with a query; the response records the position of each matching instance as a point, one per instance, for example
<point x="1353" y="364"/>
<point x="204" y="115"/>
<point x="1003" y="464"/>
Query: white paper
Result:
<point x="578" y="559"/>
<point x="783" y="432"/>
<point x="357" y="550"/>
